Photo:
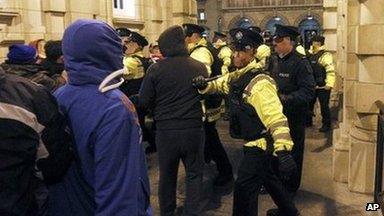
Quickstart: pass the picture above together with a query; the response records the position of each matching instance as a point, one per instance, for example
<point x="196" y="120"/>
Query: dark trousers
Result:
<point x="214" y="150"/>
<point x="297" y="130"/>
<point x="323" y="96"/>
<point x="256" y="170"/>
<point x="187" y="145"/>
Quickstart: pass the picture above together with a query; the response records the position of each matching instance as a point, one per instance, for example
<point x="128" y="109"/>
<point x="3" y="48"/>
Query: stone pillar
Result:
<point x="184" y="11"/>
<point x="363" y="81"/>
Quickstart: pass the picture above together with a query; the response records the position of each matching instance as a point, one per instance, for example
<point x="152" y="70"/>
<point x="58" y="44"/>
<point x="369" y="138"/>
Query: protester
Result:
<point x="109" y="176"/>
<point x="54" y="62"/>
<point x="167" y="90"/>
<point x="21" y="61"/>
<point x="39" y="45"/>
<point x="33" y="143"/>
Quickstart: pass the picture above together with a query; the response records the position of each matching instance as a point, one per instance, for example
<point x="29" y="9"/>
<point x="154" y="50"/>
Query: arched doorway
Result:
<point x="308" y="28"/>
<point x="270" y="25"/>
<point x="243" y="23"/>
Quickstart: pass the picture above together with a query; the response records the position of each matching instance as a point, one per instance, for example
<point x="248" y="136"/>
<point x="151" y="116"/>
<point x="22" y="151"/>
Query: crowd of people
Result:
<point x="77" y="117"/>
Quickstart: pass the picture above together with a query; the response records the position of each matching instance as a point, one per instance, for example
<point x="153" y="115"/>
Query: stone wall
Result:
<point x="361" y="62"/>
<point x="23" y="21"/>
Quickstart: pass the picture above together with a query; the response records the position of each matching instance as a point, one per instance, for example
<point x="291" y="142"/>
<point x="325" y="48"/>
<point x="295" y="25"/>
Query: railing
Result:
<point x="378" y="190"/>
<point x="238" y="4"/>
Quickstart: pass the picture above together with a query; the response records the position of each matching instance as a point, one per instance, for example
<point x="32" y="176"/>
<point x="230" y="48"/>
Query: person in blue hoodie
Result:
<point x="109" y="175"/>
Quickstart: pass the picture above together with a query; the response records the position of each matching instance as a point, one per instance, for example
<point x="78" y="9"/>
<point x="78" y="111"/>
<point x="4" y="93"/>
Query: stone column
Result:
<point x="363" y="85"/>
<point x="184" y="11"/>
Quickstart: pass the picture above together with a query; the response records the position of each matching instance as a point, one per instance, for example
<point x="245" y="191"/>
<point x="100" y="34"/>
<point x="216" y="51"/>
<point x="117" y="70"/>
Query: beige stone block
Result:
<point x="54" y="5"/>
<point x="366" y="95"/>
<point x="329" y="20"/>
<point x="361" y="166"/>
<point x="31" y="5"/>
<point x="340" y="156"/>
<point x="12" y="4"/>
<point x="353" y="12"/>
<point x="371" y="12"/>
<point x="352" y="67"/>
<point x="368" y="123"/>
<point x="330" y="41"/>
<point x="370" y="69"/>
<point x="83" y="6"/>
<point x="349" y="91"/>
<point x="330" y="3"/>
<point x="180" y="6"/>
<point x="368" y="42"/>
<point x="55" y="23"/>
<point x="352" y="35"/>
<point x="33" y="21"/>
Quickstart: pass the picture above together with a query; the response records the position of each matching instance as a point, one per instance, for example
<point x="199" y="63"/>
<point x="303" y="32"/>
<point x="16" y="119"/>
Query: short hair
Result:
<point x="53" y="50"/>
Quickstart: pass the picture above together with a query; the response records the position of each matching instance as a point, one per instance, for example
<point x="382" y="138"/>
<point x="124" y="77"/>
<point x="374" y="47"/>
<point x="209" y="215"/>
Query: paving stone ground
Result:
<point x="319" y="194"/>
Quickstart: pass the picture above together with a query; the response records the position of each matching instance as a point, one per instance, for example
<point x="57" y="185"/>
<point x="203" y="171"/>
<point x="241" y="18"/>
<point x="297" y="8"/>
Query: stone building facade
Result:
<point x="223" y="15"/>
<point x="22" y="21"/>
<point x="360" y="61"/>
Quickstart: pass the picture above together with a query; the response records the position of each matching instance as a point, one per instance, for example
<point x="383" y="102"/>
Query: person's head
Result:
<point x="53" y="51"/>
<point x="92" y="50"/>
<point x="39" y="46"/>
<point x="172" y="42"/>
<point x="244" y="44"/>
<point x="317" y="42"/>
<point x="284" y="39"/>
<point x="193" y="32"/>
<point x="21" y="54"/>
<point x="124" y="35"/>
<point x="219" y="37"/>
<point x="136" y="43"/>
<point x="154" y="48"/>
<point x="255" y="29"/>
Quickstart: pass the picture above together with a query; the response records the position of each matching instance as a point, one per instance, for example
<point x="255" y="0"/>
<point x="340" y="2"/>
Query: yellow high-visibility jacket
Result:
<point x="262" y="53"/>
<point x="301" y="50"/>
<point x="263" y="97"/>
<point x="225" y="55"/>
<point x="326" y="60"/>
<point x="202" y="54"/>
<point x="134" y="66"/>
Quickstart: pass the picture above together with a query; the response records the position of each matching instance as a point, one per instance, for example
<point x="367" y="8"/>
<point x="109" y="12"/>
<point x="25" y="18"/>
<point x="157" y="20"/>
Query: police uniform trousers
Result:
<point x="214" y="150"/>
<point x="172" y="146"/>
<point x="296" y="124"/>
<point x="256" y="169"/>
<point x="323" y="96"/>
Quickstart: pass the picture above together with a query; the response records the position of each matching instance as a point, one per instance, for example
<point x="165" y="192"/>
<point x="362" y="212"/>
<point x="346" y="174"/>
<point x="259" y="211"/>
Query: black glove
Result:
<point x="287" y="166"/>
<point x="199" y="83"/>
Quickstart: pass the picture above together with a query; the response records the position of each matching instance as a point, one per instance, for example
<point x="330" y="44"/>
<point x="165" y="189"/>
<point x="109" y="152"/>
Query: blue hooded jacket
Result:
<point x="109" y="175"/>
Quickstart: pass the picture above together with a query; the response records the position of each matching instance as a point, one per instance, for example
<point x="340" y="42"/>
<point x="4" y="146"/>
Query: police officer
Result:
<point x="324" y="73"/>
<point x="224" y="52"/>
<point x="199" y="50"/>
<point x="135" y="62"/>
<point x="263" y="51"/>
<point x="296" y="85"/>
<point x="257" y="117"/>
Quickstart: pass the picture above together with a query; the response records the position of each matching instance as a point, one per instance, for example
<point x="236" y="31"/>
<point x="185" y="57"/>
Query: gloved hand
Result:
<point x="287" y="166"/>
<point x="199" y="83"/>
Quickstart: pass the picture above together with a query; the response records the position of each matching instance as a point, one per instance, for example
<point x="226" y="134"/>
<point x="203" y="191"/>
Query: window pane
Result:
<point x="115" y="4"/>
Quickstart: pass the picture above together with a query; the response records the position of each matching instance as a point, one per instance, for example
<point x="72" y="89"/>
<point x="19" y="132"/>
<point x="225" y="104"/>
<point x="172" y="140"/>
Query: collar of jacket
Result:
<point x="219" y="43"/>
<point x="201" y="42"/>
<point x="248" y="67"/>
<point x="313" y="52"/>
<point x="138" y="53"/>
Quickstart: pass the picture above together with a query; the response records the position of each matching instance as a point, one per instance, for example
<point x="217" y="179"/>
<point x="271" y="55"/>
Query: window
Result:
<point x="125" y="8"/>
<point x="202" y="15"/>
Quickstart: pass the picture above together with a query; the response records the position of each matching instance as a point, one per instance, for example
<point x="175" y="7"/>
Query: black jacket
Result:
<point x="168" y="92"/>
<point x="35" y="73"/>
<point x="29" y="122"/>
<point x="294" y="77"/>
